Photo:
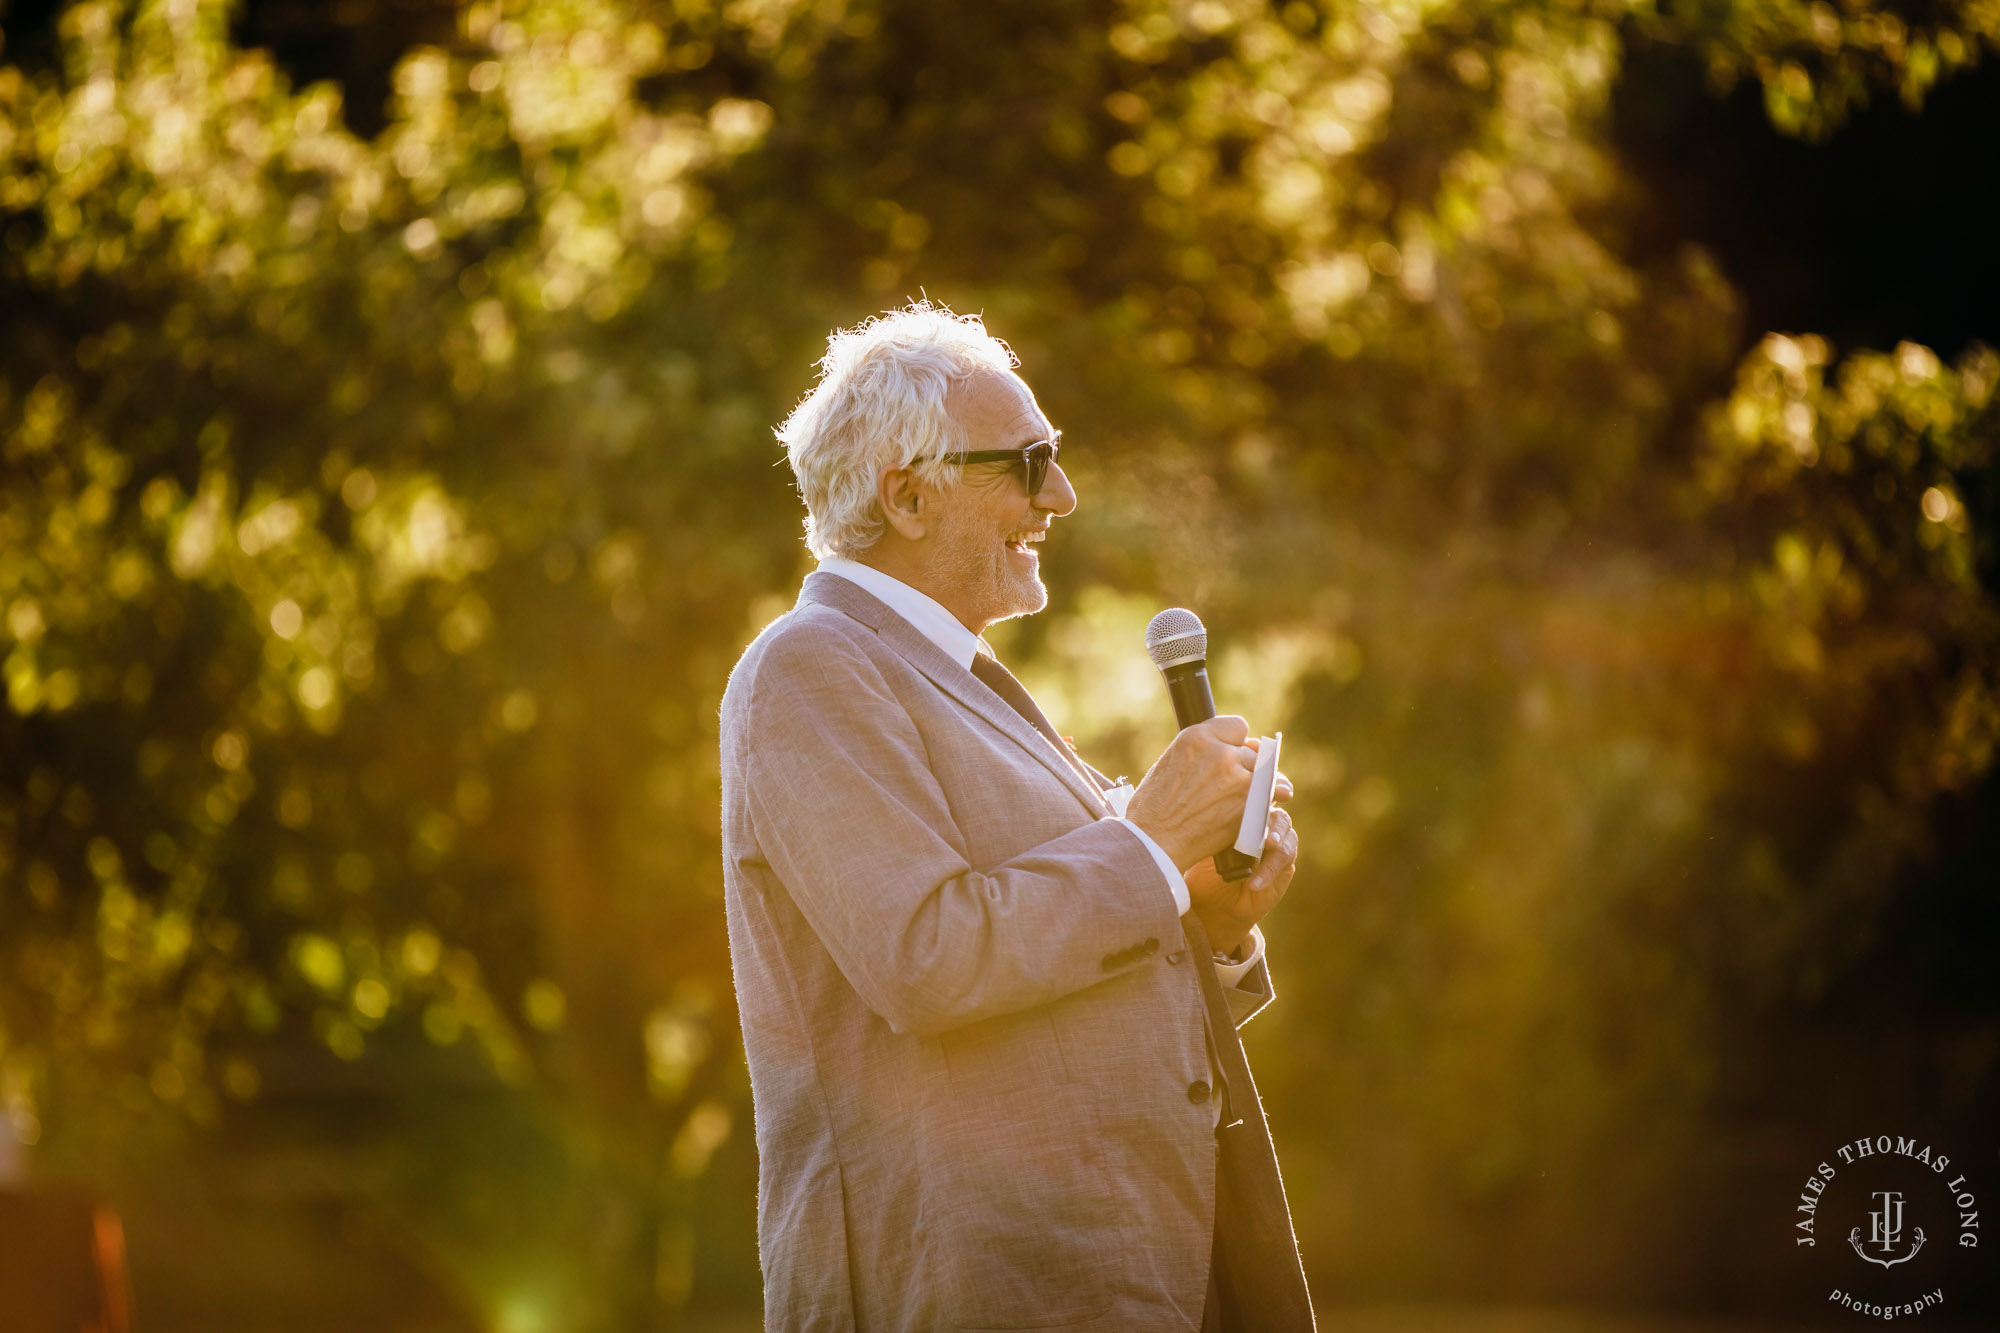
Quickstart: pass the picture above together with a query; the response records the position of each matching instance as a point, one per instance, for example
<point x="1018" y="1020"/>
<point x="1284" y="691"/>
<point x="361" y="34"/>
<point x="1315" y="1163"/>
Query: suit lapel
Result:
<point x="831" y="590"/>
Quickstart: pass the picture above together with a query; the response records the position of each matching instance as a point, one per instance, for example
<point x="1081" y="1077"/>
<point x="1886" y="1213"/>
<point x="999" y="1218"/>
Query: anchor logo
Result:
<point x="1885" y="1228"/>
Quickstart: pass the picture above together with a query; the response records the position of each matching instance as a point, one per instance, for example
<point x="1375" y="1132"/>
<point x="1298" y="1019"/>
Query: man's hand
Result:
<point x="1227" y="911"/>
<point x="1191" y="800"/>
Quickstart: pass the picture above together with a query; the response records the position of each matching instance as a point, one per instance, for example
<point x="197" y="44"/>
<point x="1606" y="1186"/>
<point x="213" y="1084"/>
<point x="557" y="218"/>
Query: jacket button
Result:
<point x="1198" y="1092"/>
<point x="1152" y="947"/>
<point x="1177" y="957"/>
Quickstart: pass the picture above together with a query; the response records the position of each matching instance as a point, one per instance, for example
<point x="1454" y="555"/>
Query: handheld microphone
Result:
<point x="1178" y="645"/>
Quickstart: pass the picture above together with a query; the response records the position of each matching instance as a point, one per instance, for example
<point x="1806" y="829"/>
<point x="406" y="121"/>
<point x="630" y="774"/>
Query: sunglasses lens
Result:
<point x="1038" y="458"/>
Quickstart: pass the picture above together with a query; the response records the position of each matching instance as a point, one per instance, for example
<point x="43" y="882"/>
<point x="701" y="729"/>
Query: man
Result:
<point x="991" y="1061"/>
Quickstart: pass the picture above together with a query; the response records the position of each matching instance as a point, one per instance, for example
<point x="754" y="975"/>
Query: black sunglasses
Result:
<point x="1035" y="457"/>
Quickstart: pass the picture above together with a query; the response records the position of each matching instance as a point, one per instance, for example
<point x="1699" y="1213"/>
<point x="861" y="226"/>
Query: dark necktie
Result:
<point x="1001" y="681"/>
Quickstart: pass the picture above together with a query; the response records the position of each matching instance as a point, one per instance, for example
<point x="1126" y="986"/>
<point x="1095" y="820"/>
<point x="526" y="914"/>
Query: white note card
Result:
<point x="1263" y="785"/>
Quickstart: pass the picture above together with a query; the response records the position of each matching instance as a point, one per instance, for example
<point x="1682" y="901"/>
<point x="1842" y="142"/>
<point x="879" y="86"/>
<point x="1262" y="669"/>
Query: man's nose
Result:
<point x="1056" y="495"/>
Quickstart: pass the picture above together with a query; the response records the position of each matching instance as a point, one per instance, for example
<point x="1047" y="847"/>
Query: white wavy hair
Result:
<point x="880" y="404"/>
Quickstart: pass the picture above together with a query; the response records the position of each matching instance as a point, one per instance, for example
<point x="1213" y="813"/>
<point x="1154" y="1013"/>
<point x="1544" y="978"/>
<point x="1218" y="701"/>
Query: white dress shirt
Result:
<point x="961" y="645"/>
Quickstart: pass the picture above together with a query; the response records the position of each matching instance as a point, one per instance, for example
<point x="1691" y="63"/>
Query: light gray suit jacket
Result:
<point x="974" y="1035"/>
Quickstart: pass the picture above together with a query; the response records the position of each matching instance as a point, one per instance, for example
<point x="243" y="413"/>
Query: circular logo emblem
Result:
<point x="1888" y="1221"/>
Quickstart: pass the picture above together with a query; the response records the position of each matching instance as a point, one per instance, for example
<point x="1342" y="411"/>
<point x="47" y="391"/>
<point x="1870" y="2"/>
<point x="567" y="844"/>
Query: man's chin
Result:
<point x="1022" y="597"/>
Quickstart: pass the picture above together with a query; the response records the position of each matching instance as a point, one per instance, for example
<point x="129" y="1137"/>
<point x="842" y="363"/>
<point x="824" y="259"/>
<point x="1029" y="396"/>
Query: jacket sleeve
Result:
<point x="855" y="824"/>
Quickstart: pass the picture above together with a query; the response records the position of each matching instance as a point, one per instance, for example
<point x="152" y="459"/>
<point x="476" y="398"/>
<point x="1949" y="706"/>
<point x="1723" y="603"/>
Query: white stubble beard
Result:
<point x="1004" y="594"/>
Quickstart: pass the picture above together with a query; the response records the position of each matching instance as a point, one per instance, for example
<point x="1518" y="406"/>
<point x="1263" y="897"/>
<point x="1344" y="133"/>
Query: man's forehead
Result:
<point x="998" y="403"/>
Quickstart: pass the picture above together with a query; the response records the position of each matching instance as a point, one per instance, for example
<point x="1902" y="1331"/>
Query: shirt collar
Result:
<point x="923" y="613"/>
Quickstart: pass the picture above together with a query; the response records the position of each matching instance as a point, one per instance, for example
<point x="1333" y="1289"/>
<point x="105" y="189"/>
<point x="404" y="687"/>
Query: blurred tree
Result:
<point x="381" y="518"/>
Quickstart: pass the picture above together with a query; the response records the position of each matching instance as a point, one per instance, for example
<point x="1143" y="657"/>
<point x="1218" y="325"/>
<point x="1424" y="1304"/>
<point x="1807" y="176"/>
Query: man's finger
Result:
<point x="1282" y="792"/>
<point x="1280" y="836"/>
<point x="1229" y="728"/>
<point x="1279" y="856"/>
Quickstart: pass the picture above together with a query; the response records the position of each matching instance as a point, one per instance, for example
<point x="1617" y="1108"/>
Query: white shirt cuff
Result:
<point x="1231" y="973"/>
<point x="1175" y="884"/>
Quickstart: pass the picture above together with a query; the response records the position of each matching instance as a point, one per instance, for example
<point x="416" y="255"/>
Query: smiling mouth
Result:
<point x="1020" y="541"/>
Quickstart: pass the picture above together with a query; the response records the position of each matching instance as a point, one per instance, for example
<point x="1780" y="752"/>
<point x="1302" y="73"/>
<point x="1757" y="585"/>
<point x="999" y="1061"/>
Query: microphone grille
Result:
<point x="1176" y="636"/>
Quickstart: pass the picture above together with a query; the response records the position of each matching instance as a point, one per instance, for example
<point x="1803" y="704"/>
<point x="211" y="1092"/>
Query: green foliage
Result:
<point x="1817" y="62"/>
<point x="381" y="518"/>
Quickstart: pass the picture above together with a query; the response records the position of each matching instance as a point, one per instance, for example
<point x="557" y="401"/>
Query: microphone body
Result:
<point x="1187" y="686"/>
<point x="1178" y="645"/>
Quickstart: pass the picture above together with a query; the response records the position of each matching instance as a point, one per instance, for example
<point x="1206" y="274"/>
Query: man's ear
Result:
<point x="904" y="500"/>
